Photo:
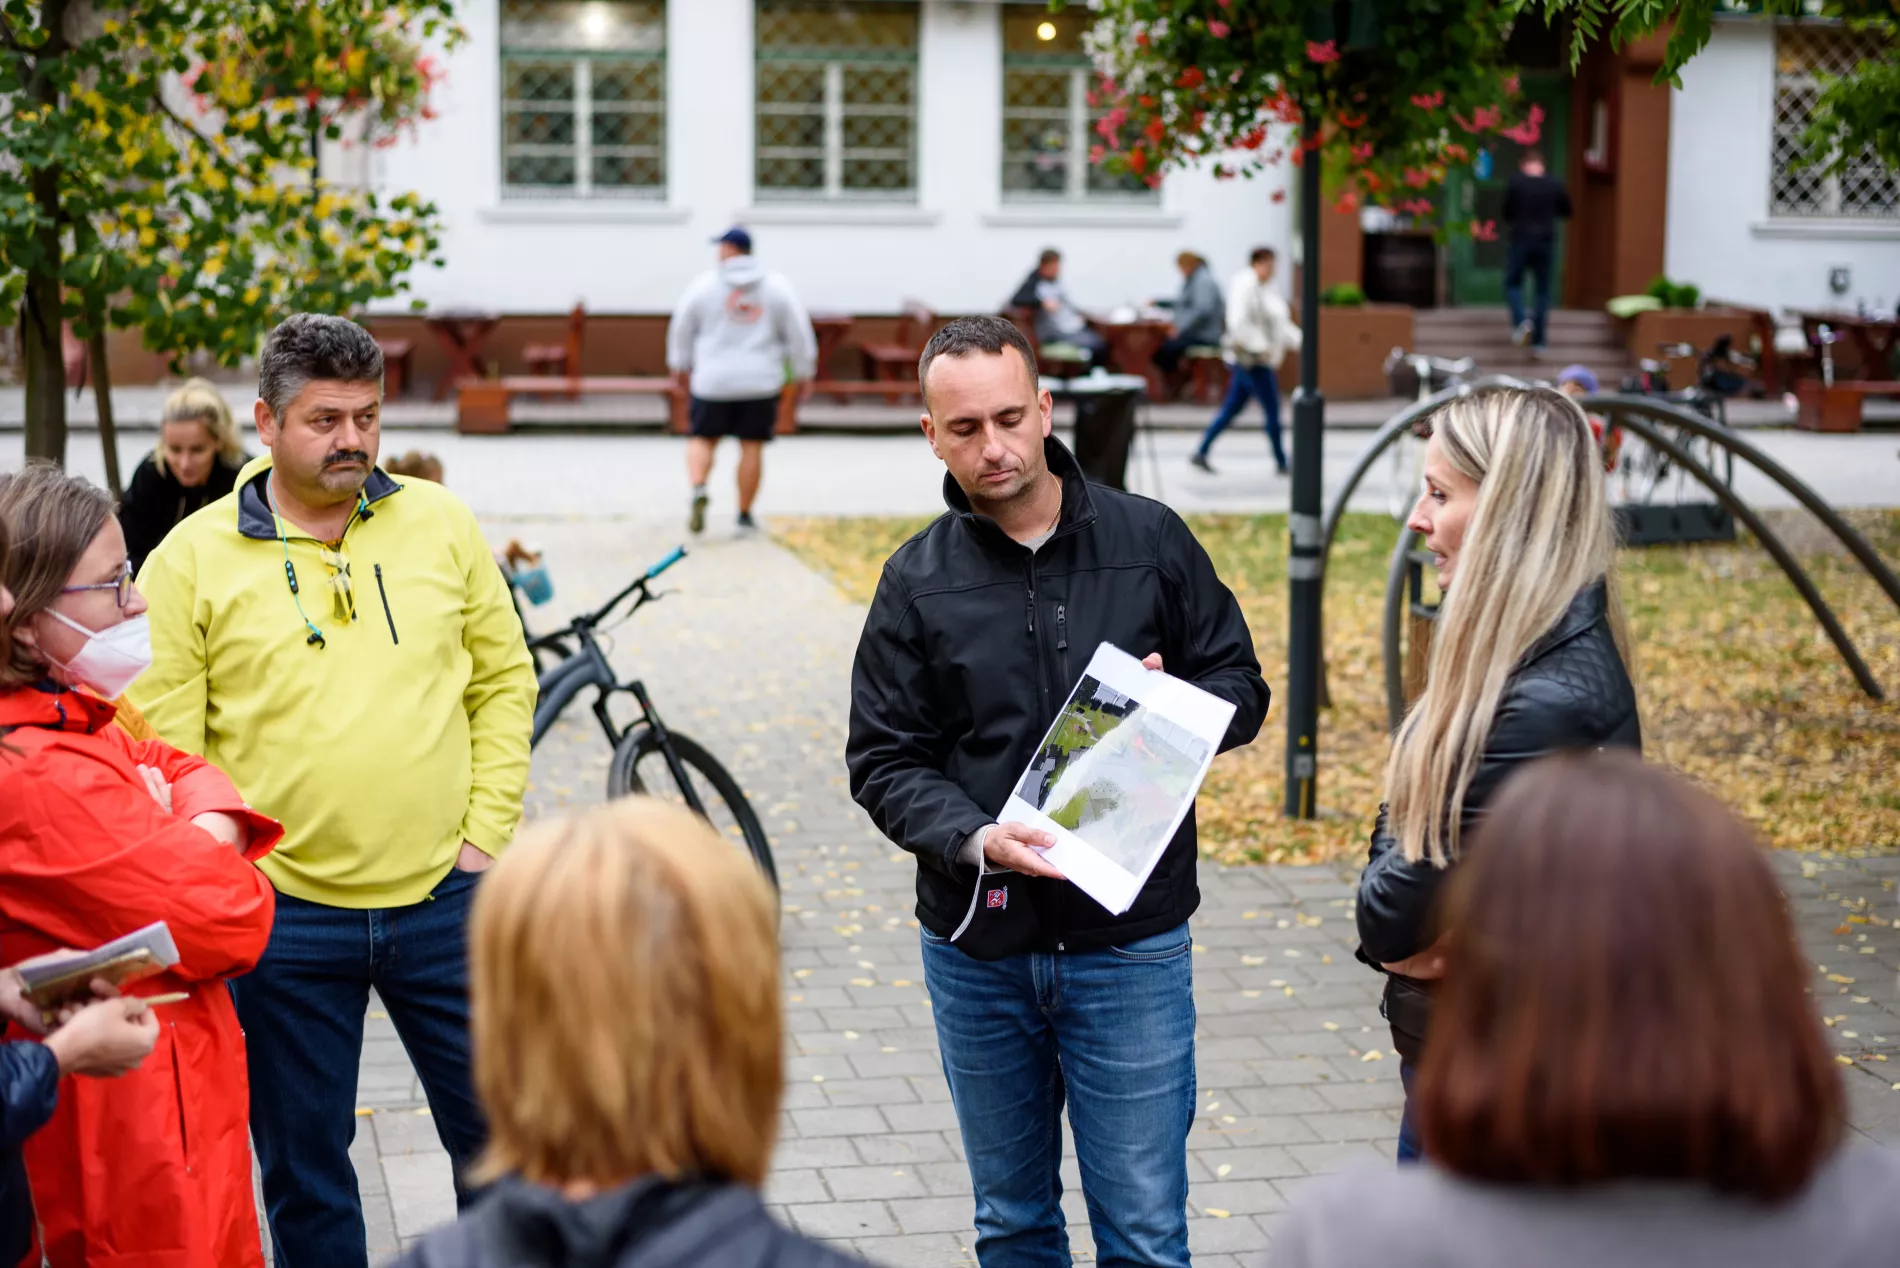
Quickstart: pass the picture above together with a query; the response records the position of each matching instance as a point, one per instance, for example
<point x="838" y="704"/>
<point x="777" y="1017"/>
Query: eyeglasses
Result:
<point x="342" y="594"/>
<point x="123" y="585"/>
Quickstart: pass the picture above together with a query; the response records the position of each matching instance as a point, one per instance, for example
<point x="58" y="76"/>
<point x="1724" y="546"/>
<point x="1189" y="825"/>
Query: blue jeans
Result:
<point x="1111" y="1032"/>
<point x="1535" y="258"/>
<point x="1410" y="1150"/>
<point x="302" y="1010"/>
<point x="1244" y="381"/>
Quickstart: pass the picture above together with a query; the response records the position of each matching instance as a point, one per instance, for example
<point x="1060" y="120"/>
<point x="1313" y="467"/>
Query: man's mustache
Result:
<point x="346" y="455"/>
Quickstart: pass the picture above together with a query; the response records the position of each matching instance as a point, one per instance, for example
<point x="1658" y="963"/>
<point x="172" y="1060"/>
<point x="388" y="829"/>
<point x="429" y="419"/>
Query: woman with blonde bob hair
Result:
<point x="624" y="985"/>
<point x="1529" y="656"/>
<point x="196" y="462"/>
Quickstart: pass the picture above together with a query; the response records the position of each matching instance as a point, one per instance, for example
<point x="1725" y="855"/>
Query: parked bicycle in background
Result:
<point x="648" y="756"/>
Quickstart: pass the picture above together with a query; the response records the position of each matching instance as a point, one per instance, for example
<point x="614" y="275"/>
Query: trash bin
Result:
<point x="1104" y="422"/>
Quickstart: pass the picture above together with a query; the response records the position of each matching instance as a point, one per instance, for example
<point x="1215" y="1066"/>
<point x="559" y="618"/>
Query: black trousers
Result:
<point x="1168" y="355"/>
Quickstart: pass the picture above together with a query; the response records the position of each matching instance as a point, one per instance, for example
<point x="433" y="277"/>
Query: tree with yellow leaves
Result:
<point x="163" y="171"/>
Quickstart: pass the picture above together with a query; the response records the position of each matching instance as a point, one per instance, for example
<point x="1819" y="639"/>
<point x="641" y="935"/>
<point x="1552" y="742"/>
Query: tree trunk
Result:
<point x="102" y="392"/>
<point x="40" y="323"/>
<point x="45" y="363"/>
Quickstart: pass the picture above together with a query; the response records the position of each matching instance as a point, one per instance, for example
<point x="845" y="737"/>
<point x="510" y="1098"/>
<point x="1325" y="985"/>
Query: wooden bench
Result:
<point x="559" y="358"/>
<point x="1207" y="374"/>
<point x="1837" y="406"/>
<point x="482" y="406"/>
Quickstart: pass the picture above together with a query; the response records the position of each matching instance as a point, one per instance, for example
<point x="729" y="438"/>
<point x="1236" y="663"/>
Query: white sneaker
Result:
<point x="1522" y="335"/>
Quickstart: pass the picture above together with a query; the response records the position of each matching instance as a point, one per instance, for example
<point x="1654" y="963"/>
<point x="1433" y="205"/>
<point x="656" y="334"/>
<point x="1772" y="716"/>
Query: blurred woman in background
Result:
<point x="196" y="462"/>
<point x="625" y="995"/>
<point x="1625" y="1065"/>
<point x="1528" y="657"/>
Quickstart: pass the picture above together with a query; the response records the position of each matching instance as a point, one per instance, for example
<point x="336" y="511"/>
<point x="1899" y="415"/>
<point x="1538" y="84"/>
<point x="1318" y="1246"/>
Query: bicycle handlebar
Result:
<point x="594" y="618"/>
<point x="679" y="553"/>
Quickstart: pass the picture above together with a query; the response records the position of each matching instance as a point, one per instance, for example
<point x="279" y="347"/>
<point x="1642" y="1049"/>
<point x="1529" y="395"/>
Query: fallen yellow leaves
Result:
<point x="1740" y="689"/>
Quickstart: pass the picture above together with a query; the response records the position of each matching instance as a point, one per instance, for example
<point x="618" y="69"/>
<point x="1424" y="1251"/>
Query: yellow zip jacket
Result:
<point x="381" y="751"/>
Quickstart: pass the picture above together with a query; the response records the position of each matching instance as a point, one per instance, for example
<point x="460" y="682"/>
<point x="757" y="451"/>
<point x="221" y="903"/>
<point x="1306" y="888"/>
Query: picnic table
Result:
<point x="463" y="335"/>
<point x="831" y="330"/>
<point x="1872" y="338"/>
<point x="1131" y="348"/>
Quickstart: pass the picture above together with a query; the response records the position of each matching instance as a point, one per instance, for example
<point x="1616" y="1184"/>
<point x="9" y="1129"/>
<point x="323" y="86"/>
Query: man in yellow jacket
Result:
<point x="344" y="646"/>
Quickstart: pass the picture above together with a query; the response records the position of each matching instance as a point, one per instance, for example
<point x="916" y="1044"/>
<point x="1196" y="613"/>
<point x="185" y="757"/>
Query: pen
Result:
<point x="176" y="997"/>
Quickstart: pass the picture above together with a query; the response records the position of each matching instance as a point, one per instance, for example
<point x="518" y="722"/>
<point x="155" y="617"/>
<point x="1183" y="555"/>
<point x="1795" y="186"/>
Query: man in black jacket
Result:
<point x="981" y="625"/>
<point x="1533" y="204"/>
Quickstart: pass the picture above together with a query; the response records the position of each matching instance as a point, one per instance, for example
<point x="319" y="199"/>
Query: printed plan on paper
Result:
<point x="1117" y="773"/>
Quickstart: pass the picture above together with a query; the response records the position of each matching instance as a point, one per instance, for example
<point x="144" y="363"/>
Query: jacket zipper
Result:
<point x="387" y="614"/>
<point x="1062" y="638"/>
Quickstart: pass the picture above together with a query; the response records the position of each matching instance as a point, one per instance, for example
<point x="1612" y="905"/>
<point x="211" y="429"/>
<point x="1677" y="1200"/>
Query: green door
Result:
<point x="1476" y="269"/>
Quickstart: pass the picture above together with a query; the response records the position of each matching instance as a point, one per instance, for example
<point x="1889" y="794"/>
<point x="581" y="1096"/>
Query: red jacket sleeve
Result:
<point x="198" y="788"/>
<point x="88" y="856"/>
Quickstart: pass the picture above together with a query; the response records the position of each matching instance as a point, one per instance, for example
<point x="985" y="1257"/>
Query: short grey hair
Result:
<point x="965" y="335"/>
<point x="307" y="347"/>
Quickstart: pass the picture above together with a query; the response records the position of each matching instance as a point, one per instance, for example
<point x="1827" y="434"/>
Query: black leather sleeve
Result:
<point x="1219" y="656"/>
<point x="895" y="750"/>
<point x="29" y="1087"/>
<point x="1397" y="898"/>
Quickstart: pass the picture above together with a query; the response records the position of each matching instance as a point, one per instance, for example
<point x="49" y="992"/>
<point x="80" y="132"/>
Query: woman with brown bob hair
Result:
<point x="1625" y="1066"/>
<point x="624" y="988"/>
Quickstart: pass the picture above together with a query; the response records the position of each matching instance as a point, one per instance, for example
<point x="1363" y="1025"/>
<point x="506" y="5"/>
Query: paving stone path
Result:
<point x="1295" y="1072"/>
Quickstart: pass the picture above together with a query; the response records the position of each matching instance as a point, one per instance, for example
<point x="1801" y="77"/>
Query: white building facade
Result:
<point x="1744" y="222"/>
<point x="878" y="150"/>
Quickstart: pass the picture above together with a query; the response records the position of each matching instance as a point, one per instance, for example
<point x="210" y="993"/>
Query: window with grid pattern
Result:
<point x="1048" y="123"/>
<point x="836" y="99"/>
<point x="1865" y="187"/>
<point x="583" y="111"/>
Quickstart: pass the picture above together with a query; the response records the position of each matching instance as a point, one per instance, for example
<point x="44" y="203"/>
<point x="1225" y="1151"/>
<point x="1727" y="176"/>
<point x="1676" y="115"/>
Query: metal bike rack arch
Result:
<point x="1641" y="416"/>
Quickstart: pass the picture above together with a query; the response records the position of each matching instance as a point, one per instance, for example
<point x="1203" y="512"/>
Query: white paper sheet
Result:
<point x="1117" y="773"/>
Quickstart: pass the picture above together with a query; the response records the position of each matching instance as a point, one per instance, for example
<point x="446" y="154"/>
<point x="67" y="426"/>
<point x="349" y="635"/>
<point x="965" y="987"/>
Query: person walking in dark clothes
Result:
<point x="1533" y="204"/>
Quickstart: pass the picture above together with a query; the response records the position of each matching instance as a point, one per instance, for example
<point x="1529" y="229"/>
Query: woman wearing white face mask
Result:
<point x="100" y="835"/>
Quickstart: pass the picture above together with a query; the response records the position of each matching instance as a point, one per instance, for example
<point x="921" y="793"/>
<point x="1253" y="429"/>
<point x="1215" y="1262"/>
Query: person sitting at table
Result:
<point x="1058" y="321"/>
<point x="1200" y="316"/>
<point x="195" y="462"/>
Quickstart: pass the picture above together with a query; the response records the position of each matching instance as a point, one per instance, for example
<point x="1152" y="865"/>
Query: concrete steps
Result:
<point x="1576" y="336"/>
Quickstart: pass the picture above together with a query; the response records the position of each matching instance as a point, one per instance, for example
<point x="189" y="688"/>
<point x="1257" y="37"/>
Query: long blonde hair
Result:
<point x="1540" y="534"/>
<point x="198" y="401"/>
<point x="625" y="1002"/>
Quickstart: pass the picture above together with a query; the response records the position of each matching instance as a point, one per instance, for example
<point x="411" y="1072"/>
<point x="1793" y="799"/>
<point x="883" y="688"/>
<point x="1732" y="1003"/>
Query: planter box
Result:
<point x="1698" y="327"/>
<point x="1353" y="343"/>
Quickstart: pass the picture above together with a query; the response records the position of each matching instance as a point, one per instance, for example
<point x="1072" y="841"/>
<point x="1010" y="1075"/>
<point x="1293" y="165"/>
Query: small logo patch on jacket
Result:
<point x="998" y="898"/>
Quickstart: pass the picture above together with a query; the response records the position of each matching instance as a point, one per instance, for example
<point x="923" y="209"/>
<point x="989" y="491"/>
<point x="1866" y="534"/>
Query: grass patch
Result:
<point x="1739" y="687"/>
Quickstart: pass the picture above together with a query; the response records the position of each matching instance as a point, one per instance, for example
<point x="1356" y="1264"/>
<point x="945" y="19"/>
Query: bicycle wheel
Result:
<point x="640" y="767"/>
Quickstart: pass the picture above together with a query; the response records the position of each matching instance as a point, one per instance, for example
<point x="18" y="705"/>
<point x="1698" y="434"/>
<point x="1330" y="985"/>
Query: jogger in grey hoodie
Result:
<point x="738" y="337"/>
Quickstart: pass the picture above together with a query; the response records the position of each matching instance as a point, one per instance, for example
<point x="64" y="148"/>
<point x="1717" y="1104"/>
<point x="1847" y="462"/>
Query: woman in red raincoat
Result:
<point x="100" y="835"/>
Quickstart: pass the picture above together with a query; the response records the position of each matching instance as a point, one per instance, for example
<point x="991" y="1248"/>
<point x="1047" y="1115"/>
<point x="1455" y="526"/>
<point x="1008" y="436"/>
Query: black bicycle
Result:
<point x="649" y="757"/>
